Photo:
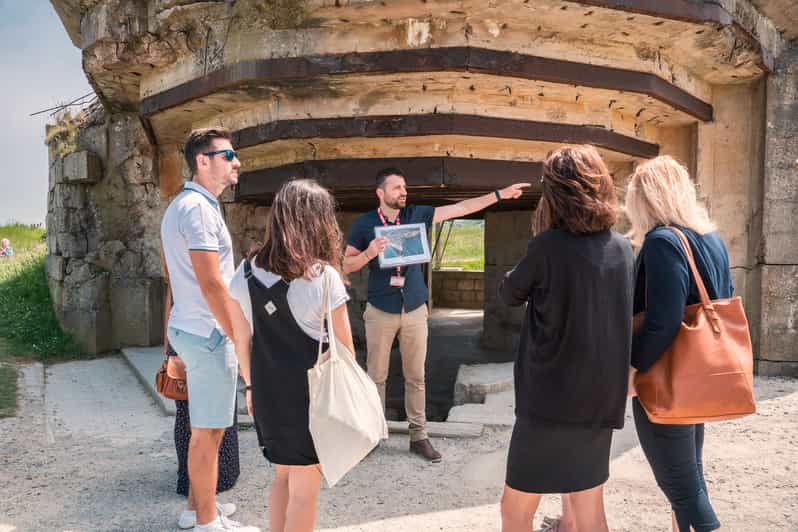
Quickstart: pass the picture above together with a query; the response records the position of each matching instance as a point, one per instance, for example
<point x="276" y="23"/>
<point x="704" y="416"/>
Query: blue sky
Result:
<point x="40" y="68"/>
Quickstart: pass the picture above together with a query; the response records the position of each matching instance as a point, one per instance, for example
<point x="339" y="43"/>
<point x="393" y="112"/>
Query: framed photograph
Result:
<point x="407" y="244"/>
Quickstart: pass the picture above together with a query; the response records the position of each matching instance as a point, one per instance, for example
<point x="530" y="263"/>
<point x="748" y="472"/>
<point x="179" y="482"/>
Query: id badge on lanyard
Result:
<point x="397" y="279"/>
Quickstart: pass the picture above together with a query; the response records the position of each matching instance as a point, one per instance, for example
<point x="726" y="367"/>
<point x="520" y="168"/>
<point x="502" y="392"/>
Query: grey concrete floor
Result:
<point x="454" y="339"/>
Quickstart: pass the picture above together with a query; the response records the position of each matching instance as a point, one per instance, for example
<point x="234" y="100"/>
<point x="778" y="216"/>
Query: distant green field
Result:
<point x="466" y="246"/>
<point x="28" y="326"/>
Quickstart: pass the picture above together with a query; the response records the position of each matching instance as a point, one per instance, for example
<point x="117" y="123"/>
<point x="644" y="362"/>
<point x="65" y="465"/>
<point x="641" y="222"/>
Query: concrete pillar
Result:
<point x="729" y="173"/>
<point x="777" y="272"/>
<point x="170" y="170"/>
<point x="506" y="238"/>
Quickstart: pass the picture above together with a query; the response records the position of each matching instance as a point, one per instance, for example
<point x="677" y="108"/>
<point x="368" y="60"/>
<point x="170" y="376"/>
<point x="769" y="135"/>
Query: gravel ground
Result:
<point x="89" y="451"/>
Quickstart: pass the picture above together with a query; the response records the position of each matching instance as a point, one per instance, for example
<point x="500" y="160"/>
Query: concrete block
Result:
<point x="778" y="340"/>
<point x="94" y="139"/>
<point x="82" y="167"/>
<point x="56" y="173"/>
<point x="91" y="329"/>
<point x="501" y="400"/>
<point x="780" y="218"/>
<point x="441" y="430"/>
<point x="482" y="414"/>
<point x="69" y="196"/>
<point x="781" y="369"/>
<point x="126" y="138"/>
<point x="474" y="382"/>
<point x="55" y="266"/>
<point x="138" y="311"/>
<point x="465" y="284"/>
<point x="138" y="169"/>
<point x="93" y="294"/>
<point x="72" y="245"/>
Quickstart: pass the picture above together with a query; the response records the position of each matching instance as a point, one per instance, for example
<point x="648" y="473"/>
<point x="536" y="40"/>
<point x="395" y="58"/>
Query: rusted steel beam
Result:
<point x="449" y="59"/>
<point x="433" y="180"/>
<point x="442" y="124"/>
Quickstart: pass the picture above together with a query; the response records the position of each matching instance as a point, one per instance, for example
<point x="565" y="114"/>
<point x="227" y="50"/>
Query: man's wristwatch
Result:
<point x="498" y="195"/>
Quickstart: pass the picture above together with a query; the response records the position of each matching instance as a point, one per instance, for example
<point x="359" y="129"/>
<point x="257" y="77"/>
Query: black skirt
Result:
<point x="557" y="458"/>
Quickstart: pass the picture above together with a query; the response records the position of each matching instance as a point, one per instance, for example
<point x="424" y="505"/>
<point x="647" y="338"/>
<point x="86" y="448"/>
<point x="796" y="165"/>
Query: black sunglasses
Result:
<point x="229" y="155"/>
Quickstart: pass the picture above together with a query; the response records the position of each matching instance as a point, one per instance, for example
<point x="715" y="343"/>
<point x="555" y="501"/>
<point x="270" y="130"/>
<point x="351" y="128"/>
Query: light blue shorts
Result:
<point x="211" y="375"/>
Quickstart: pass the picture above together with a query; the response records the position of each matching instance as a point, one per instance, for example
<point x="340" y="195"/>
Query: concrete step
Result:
<point x="482" y="414"/>
<point x="501" y="400"/>
<point x="474" y="382"/>
<point x="445" y="429"/>
<point x="145" y="362"/>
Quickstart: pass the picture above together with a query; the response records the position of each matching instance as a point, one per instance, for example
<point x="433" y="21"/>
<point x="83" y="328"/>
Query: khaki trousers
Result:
<point x="381" y="329"/>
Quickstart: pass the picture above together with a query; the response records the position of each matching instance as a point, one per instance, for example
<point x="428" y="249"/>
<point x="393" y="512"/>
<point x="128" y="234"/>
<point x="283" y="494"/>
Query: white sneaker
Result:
<point x="189" y="517"/>
<point x="223" y="524"/>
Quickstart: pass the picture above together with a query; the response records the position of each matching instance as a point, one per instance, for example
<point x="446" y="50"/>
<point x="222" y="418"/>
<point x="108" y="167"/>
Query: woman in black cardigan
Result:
<point x="661" y="193"/>
<point x="572" y="364"/>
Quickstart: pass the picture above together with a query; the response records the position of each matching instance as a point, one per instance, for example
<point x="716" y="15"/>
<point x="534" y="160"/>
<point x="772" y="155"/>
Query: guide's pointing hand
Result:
<point x="514" y="191"/>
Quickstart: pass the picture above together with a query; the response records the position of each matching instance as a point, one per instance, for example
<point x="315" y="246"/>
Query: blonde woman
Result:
<point x="661" y="193"/>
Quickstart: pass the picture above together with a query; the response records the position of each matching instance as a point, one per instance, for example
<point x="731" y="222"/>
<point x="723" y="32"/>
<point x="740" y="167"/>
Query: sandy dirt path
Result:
<point x="89" y="451"/>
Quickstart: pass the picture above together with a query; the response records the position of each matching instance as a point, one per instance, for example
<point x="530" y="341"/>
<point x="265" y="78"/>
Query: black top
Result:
<point x="381" y="294"/>
<point x="662" y="269"/>
<point x="572" y="364"/>
<point x="282" y="354"/>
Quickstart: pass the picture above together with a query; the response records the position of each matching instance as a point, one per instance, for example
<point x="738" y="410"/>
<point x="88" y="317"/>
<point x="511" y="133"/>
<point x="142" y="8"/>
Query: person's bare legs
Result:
<point x="278" y="499"/>
<point x="191" y="504"/>
<point x="203" y="470"/>
<point x="588" y="509"/>
<point x="567" y="520"/>
<point x="304" y="483"/>
<point x="518" y="509"/>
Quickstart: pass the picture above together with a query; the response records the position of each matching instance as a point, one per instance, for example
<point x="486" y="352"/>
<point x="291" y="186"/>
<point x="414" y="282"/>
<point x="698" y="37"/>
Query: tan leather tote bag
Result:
<point x="706" y="374"/>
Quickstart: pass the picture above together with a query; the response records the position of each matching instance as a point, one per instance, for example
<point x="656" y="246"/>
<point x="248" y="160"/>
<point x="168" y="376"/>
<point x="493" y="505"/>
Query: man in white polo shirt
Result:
<point x="205" y="322"/>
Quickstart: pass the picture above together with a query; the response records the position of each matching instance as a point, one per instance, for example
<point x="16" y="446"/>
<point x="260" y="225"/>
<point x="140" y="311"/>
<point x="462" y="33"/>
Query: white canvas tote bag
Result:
<point x="346" y="416"/>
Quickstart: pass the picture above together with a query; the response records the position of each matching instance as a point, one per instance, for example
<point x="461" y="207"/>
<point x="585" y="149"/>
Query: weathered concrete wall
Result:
<point x="458" y="289"/>
<point x="103" y="216"/>
<point x="777" y="254"/>
<point x="506" y="237"/>
<point x="358" y="286"/>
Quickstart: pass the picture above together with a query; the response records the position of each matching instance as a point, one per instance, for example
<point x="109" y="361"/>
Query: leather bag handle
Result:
<point x="706" y="303"/>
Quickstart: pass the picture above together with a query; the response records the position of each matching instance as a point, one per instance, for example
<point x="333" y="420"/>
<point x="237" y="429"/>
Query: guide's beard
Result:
<point x="398" y="203"/>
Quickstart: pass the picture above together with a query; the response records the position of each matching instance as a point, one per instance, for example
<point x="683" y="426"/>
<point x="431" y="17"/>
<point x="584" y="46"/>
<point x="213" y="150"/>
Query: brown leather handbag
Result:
<point x="706" y="374"/>
<point x="170" y="386"/>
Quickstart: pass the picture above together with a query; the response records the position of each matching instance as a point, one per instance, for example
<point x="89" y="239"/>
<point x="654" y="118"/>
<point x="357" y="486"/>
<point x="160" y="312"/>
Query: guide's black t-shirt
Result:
<point x="380" y="292"/>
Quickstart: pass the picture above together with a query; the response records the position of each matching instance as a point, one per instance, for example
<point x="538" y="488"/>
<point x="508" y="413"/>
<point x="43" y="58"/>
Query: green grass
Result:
<point x="28" y="325"/>
<point x="466" y="246"/>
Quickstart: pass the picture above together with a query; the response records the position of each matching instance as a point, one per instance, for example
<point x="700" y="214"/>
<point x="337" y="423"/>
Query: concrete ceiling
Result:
<point x="783" y="14"/>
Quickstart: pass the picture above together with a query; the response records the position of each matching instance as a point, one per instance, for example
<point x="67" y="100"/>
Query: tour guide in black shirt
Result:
<point x="396" y="299"/>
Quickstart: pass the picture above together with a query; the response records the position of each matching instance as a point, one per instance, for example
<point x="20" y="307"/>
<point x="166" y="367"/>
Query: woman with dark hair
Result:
<point x="281" y="289"/>
<point x="572" y="363"/>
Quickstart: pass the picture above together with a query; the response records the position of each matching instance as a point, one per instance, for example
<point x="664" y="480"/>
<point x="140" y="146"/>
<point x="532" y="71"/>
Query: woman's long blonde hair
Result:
<point x="660" y="192"/>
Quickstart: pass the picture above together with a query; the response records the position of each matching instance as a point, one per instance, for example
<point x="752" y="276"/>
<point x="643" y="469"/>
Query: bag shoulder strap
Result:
<point x="699" y="282"/>
<point x="326" y="316"/>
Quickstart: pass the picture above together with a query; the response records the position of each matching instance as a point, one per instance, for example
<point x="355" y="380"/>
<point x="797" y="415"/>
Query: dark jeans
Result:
<point x="674" y="453"/>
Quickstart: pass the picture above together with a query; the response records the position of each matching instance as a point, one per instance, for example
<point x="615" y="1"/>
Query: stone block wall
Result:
<point x="458" y="289"/>
<point x="777" y="253"/>
<point x="506" y="238"/>
<point x="103" y="220"/>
